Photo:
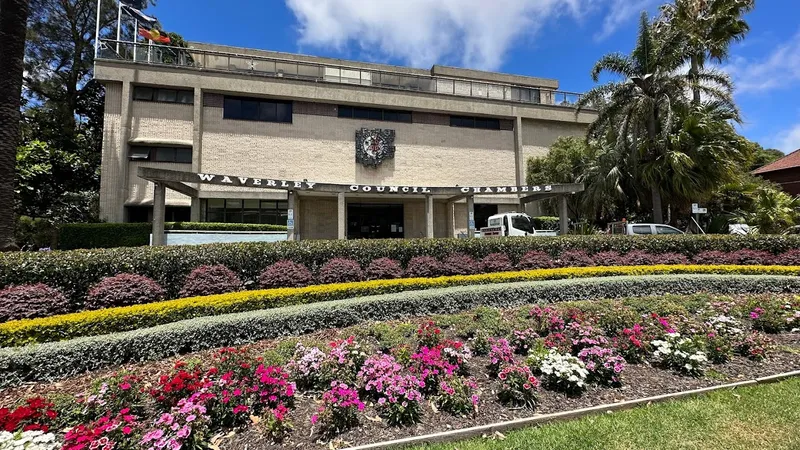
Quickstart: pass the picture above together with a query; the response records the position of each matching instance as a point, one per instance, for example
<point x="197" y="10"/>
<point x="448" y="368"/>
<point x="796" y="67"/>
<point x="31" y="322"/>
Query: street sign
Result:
<point x="471" y="224"/>
<point x="696" y="209"/>
<point x="290" y="214"/>
<point x="290" y="224"/>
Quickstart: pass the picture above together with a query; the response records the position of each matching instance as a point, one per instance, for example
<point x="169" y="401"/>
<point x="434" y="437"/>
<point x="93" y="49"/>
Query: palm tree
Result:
<point x="13" y="25"/>
<point x="640" y="108"/>
<point x="708" y="27"/>
<point x="773" y="210"/>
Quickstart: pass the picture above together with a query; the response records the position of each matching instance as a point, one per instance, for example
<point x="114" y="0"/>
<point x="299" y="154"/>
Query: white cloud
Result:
<point x="619" y="13"/>
<point x="779" y="69"/>
<point x="471" y="33"/>
<point x="789" y="140"/>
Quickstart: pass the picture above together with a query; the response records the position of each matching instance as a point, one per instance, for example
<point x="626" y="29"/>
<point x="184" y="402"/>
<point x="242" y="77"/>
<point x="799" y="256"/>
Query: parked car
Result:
<point x="513" y="224"/>
<point x="642" y="228"/>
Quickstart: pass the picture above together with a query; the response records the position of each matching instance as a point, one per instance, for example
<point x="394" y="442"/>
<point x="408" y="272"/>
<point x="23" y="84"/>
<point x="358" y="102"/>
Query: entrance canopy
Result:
<point x="182" y="182"/>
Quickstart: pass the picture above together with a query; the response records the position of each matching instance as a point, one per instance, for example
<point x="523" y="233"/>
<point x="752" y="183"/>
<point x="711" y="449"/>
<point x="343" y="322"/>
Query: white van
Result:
<point x="512" y="224"/>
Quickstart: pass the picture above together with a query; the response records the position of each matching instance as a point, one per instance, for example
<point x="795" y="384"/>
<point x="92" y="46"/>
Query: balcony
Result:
<point x="161" y="55"/>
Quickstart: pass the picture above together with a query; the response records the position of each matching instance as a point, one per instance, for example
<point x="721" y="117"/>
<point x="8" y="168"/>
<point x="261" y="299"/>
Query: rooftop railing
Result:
<point x="329" y="73"/>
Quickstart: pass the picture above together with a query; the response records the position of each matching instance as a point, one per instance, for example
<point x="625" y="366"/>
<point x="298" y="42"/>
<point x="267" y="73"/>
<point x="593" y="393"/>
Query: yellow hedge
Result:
<point x="90" y="323"/>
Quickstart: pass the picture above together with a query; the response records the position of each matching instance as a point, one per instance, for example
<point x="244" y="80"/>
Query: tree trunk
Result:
<point x="658" y="216"/>
<point x="13" y="24"/>
<point x="694" y="72"/>
<point x="652" y="121"/>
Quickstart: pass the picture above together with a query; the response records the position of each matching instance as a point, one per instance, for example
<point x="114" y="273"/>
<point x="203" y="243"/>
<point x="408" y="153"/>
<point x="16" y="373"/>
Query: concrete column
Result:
<point x="563" y="216"/>
<point x="341" y="216"/>
<point x="428" y="216"/>
<point x="291" y="234"/>
<point x="159" y="212"/>
<point x="519" y="160"/>
<point x="451" y="228"/>
<point x="195" y="214"/>
<point x="470" y="216"/>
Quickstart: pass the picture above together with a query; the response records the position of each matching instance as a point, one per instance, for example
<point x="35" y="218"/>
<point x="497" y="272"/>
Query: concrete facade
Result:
<point x="320" y="146"/>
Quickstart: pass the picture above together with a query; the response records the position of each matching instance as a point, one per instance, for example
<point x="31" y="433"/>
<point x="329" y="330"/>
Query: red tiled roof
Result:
<point x="787" y="162"/>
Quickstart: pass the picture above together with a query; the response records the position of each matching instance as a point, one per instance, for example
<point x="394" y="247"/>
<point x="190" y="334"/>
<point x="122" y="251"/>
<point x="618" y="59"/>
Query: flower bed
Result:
<point x="61" y="359"/>
<point x="438" y="378"/>
<point x="74" y="272"/>
<point x="90" y="323"/>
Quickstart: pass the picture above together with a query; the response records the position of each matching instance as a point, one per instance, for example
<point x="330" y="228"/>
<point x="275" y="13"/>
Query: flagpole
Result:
<point x="135" y="37"/>
<point x="119" y="22"/>
<point x="97" y="30"/>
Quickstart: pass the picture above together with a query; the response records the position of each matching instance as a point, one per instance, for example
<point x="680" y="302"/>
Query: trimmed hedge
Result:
<point x="90" y="323"/>
<point x="57" y="360"/>
<point x="108" y="235"/>
<point x="74" y="271"/>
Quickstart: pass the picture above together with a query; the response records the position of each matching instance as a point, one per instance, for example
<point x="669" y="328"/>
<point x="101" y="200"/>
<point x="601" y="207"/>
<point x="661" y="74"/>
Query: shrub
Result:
<point x="457" y="395"/>
<point x="36" y="414"/>
<point x="500" y="354"/>
<point x="755" y="346"/>
<point x="384" y="269"/>
<point x="681" y="354"/>
<point x="545" y="223"/>
<point x="790" y="258"/>
<point x="496" y="262"/>
<point x="561" y="372"/>
<point x="89" y="323"/>
<point x="400" y="402"/>
<point x="773" y="315"/>
<point x="210" y="280"/>
<point x="518" y="386"/>
<point x="123" y="290"/>
<point x="339" y="410"/>
<point x="375" y="371"/>
<point x="639" y="258"/>
<point x="575" y="258"/>
<point x="285" y="274"/>
<point x="55" y="360"/>
<point x="751" y="257"/>
<point x="431" y="366"/>
<point x="523" y="340"/>
<point x="31" y="300"/>
<point x="423" y="267"/>
<point x="340" y="270"/>
<point x="536" y="260"/>
<point x="603" y="364"/>
<point x="712" y="257"/>
<point x="671" y="258"/>
<point x="460" y="264"/>
<point x="610" y="258"/>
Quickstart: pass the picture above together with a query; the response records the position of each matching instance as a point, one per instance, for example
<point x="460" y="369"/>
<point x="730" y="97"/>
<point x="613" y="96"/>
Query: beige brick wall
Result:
<point x="322" y="148"/>
<point x="158" y="120"/>
<point x="539" y="135"/>
<point x="112" y="168"/>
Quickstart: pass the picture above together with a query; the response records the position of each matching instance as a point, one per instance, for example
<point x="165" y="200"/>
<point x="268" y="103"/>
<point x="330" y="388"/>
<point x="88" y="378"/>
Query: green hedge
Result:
<point x="51" y="361"/>
<point x="109" y="235"/>
<point x="545" y="223"/>
<point x="75" y="271"/>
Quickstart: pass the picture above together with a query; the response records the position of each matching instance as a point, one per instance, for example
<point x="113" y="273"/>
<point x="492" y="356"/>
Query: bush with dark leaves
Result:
<point x="536" y="260"/>
<point x="747" y="257"/>
<point x="610" y="258"/>
<point x="384" y="269"/>
<point x="210" y="280"/>
<point x="639" y="258"/>
<point x="670" y="258"/>
<point x="712" y="257"/>
<point x="285" y="274"/>
<point x="423" y="267"/>
<point x="340" y="270"/>
<point x="575" y="258"/>
<point x="496" y="262"/>
<point x="123" y="290"/>
<point x="790" y="258"/>
<point x="27" y="301"/>
<point x="460" y="264"/>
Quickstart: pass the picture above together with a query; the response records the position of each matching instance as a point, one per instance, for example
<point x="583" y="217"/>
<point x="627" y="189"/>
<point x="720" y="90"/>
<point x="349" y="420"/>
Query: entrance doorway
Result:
<point x="482" y="214"/>
<point x="374" y="221"/>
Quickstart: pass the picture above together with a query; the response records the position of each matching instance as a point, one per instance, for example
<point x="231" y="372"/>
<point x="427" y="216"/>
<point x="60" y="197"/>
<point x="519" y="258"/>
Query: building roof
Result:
<point x="789" y="161"/>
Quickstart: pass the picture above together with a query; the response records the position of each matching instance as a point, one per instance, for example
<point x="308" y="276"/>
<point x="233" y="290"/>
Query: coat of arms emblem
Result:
<point x="374" y="146"/>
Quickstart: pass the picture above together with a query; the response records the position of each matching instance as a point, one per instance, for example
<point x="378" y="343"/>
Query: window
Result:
<point x="161" y="154"/>
<point x="387" y="115"/>
<point x="247" y="211"/>
<point x="663" y="229"/>
<point x="522" y="223"/>
<point x="484" y="123"/>
<point x="167" y="95"/>
<point x="641" y="229"/>
<point x="256" y="109"/>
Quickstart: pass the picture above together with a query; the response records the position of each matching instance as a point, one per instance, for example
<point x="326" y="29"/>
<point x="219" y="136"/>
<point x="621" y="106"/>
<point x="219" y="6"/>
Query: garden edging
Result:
<point x="540" y="419"/>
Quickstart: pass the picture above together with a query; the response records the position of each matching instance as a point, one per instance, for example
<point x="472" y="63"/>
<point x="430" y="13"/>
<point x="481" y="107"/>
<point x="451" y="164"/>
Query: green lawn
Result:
<point x="752" y="418"/>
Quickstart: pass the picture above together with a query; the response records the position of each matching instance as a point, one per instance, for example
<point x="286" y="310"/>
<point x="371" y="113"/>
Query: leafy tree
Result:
<point x="707" y="28"/>
<point x="564" y="163"/>
<point x="13" y="16"/>
<point x="761" y="157"/>
<point x="773" y="210"/>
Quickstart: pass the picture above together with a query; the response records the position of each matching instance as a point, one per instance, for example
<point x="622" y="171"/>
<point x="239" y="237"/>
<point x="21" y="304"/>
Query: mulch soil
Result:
<point x="639" y="381"/>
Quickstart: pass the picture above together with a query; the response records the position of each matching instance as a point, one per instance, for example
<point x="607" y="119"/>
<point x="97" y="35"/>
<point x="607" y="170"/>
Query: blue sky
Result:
<point x="547" y="38"/>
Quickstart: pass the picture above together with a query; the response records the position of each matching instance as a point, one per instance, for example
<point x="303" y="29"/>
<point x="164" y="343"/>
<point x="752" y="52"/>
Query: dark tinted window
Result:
<point x="641" y="229"/>
<point x="388" y="115"/>
<point x="485" y="123"/>
<point x="167" y="95"/>
<point x="257" y="109"/>
<point x="161" y="154"/>
<point x="246" y="211"/>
